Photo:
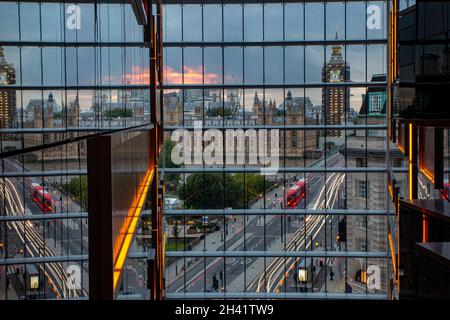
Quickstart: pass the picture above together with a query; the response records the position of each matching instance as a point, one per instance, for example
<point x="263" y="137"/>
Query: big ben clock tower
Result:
<point x="335" y="100"/>
<point x="7" y="97"/>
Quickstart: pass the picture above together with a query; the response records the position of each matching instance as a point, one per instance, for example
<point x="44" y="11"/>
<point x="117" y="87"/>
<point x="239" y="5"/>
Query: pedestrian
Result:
<point x="331" y="275"/>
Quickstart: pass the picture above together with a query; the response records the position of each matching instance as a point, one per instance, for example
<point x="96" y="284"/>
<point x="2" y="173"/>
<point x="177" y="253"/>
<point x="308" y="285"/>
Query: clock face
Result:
<point x="335" y="76"/>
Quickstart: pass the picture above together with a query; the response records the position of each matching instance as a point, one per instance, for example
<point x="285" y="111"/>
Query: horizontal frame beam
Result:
<point x="43" y="173"/>
<point x="280" y="170"/>
<point x="271" y="295"/>
<point x="178" y="2"/>
<point x="177" y="44"/>
<point x="46" y="259"/>
<point x="273" y="86"/>
<point x="44" y="217"/>
<point x="270" y="254"/>
<point x="293" y="212"/>
<point x="284" y="127"/>
<point x="104" y="130"/>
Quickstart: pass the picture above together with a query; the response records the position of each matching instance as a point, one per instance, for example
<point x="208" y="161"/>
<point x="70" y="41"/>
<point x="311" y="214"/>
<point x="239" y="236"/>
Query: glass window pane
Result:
<point x="192" y="23"/>
<point x="356" y="20"/>
<point x="172" y="25"/>
<point x="314" y="63"/>
<point x="193" y="67"/>
<point x="294" y="64"/>
<point x="293" y="21"/>
<point x="111" y="22"/>
<point x="52" y="21"/>
<point x="273" y="65"/>
<point x="9" y="16"/>
<point x="173" y="69"/>
<point x="273" y="22"/>
<point x="356" y="61"/>
<point x="376" y="17"/>
<point x="213" y="65"/>
<point x="376" y="60"/>
<point x="53" y="66"/>
<point x="10" y="64"/>
<point x="232" y="22"/>
<point x="30" y="23"/>
<point x="253" y="65"/>
<point x="314" y="24"/>
<point x="233" y="67"/>
<point x="212" y="21"/>
<point x="31" y="66"/>
<point x="335" y="20"/>
<point x="253" y="22"/>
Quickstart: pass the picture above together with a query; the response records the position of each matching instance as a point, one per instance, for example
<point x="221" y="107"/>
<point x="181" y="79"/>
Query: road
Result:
<point x="263" y="233"/>
<point x="34" y="239"/>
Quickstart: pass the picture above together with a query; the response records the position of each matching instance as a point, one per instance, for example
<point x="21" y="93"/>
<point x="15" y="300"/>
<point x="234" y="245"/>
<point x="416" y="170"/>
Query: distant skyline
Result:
<point x="241" y="65"/>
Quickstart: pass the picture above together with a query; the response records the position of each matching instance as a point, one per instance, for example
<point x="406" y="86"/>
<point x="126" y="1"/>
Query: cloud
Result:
<point x="138" y="76"/>
<point x="192" y="75"/>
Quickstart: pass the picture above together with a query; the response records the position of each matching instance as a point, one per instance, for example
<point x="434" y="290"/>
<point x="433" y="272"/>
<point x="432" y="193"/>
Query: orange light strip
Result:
<point x="394" y="259"/>
<point x="410" y="161"/>
<point x="122" y="255"/>
<point x="424" y="228"/>
<point x="391" y="191"/>
<point x="427" y="173"/>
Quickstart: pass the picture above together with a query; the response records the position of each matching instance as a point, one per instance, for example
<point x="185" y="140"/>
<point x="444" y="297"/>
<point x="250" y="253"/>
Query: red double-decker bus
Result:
<point x="42" y="198"/>
<point x="296" y="194"/>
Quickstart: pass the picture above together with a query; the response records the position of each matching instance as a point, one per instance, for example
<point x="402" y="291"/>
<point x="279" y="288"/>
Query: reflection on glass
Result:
<point x="273" y="22"/>
<point x="193" y="68"/>
<point x="253" y="64"/>
<point x="232" y="22"/>
<point x="253" y="22"/>
<point x="30" y="27"/>
<point x="212" y="18"/>
<point x="335" y="20"/>
<point x="314" y="21"/>
<point x="9" y="15"/>
<point x="172" y="26"/>
<point x="356" y="20"/>
<point x="294" y="64"/>
<point x="192" y="23"/>
<point x="233" y="67"/>
<point x="273" y="65"/>
<point x="293" y="21"/>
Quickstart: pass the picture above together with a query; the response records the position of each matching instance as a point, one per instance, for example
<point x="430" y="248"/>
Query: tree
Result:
<point x="212" y="191"/>
<point x="254" y="185"/>
<point x="118" y="113"/>
<point x="221" y="112"/>
<point x="165" y="159"/>
<point x="176" y="229"/>
<point x="78" y="188"/>
<point x="166" y="156"/>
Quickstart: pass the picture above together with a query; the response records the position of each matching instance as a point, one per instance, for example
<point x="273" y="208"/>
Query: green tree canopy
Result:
<point x="118" y="113"/>
<point x="217" y="191"/>
<point x="78" y="188"/>
<point x="212" y="191"/>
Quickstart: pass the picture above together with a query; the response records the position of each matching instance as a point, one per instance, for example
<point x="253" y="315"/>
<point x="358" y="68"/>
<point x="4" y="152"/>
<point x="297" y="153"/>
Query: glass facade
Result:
<point x="309" y="217"/>
<point x="278" y="164"/>
<point x="68" y="71"/>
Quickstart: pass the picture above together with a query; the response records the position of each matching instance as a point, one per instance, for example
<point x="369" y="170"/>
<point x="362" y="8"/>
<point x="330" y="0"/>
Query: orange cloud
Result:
<point x="138" y="76"/>
<point x="192" y="75"/>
